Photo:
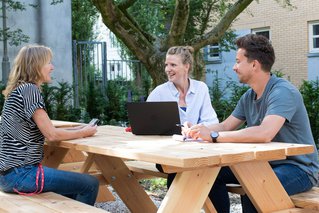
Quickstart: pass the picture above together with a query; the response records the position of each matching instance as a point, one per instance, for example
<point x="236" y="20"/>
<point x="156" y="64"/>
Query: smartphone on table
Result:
<point x="94" y="121"/>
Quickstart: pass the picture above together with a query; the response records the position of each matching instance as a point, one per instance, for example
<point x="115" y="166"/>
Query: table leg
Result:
<point x="53" y="156"/>
<point x="87" y="163"/>
<point x="125" y="184"/>
<point x="262" y="186"/>
<point x="189" y="190"/>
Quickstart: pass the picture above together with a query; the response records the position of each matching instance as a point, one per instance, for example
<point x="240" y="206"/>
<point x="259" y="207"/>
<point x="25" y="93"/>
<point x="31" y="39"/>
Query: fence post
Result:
<point x="75" y="75"/>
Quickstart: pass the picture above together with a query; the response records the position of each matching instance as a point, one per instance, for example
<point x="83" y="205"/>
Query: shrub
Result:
<point x="310" y="93"/>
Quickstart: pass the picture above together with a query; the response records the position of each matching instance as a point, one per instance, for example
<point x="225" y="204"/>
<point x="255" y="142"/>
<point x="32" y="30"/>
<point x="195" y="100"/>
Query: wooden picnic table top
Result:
<point x="195" y="162"/>
<point x="114" y="141"/>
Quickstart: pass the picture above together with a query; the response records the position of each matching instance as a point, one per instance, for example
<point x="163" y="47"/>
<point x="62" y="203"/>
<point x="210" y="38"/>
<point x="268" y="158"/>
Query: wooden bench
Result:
<point x="307" y="200"/>
<point x="47" y="202"/>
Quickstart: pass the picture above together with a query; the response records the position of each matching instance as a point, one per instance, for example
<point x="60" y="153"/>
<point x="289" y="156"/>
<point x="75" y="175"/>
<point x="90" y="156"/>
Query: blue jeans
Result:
<point x="81" y="187"/>
<point x="293" y="179"/>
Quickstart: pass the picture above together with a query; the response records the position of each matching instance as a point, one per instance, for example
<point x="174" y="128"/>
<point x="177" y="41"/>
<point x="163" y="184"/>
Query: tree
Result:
<point x="84" y="15"/>
<point x="174" y="22"/>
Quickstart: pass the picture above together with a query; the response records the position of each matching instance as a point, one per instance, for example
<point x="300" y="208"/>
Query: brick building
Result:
<point x="293" y="31"/>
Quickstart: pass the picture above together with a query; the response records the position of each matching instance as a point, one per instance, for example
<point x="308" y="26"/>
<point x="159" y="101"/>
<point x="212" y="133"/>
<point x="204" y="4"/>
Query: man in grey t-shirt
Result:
<point x="274" y="111"/>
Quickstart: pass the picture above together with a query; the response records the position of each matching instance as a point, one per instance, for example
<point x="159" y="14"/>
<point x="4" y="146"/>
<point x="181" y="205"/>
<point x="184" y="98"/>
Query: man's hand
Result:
<point x="200" y="131"/>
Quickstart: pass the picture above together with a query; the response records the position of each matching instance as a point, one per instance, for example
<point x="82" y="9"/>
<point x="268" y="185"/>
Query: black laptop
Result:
<point x="153" y="118"/>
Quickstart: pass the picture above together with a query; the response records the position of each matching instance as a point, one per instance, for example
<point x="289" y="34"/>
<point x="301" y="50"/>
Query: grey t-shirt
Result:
<point x="282" y="98"/>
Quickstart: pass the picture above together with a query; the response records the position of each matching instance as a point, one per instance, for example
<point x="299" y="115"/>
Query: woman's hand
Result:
<point x="88" y="130"/>
<point x="186" y="128"/>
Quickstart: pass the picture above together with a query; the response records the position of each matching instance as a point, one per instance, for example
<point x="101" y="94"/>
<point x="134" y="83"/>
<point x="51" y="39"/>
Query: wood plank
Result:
<point x="307" y="200"/>
<point x="125" y="184"/>
<point x="53" y="156"/>
<point x="296" y="210"/>
<point x="18" y="203"/>
<point x="114" y="141"/>
<point x="74" y="156"/>
<point x="145" y="168"/>
<point x="47" y="202"/>
<point x="262" y="186"/>
<point x="87" y="163"/>
<point x="104" y="194"/>
<point x="209" y="207"/>
<point x="185" y="197"/>
<point x="60" y="203"/>
<point x="235" y="188"/>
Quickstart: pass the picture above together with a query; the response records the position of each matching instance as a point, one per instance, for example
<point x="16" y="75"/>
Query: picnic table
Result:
<point x="197" y="163"/>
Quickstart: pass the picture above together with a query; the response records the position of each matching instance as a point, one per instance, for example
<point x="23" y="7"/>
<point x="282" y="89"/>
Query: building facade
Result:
<point x="48" y="25"/>
<point x="293" y="31"/>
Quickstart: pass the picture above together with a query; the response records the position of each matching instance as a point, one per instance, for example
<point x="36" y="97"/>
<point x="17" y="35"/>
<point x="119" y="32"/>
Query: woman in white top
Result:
<point x="192" y="96"/>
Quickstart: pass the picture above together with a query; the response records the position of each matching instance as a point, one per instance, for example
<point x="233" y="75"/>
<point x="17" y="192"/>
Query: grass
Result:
<point x="155" y="186"/>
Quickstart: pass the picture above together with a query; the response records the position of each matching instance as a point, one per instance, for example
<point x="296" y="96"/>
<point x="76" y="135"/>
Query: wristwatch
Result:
<point x="214" y="136"/>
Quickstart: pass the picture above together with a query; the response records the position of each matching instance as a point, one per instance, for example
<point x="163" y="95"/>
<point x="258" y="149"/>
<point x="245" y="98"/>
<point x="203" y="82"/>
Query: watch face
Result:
<point x="214" y="135"/>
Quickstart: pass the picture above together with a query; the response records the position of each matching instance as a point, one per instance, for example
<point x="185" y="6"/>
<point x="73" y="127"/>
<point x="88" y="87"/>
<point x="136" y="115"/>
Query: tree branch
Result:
<point x="218" y="31"/>
<point x="126" y="4"/>
<point x="179" y="23"/>
<point x="124" y="29"/>
<point x="205" y="21"/>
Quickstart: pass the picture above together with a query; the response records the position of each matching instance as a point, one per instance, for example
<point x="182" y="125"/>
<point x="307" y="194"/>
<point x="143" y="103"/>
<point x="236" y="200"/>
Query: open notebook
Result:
<point x="154" y="118"/>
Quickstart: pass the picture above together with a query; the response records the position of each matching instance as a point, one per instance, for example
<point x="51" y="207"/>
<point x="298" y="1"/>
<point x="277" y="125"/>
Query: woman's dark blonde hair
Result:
<point x="185" y="52"/>
<point x="27" y="66"/>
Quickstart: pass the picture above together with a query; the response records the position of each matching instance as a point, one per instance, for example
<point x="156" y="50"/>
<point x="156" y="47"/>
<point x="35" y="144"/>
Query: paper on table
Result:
<point x="184" y="139"/>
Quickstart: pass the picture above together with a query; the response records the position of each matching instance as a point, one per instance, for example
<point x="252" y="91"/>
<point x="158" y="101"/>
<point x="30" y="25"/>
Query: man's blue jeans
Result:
<point x="81" y="187"/>
<point x="293" y="179"/>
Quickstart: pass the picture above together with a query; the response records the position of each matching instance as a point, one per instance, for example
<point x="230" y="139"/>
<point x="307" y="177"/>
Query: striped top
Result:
<point x="21" y="142"/>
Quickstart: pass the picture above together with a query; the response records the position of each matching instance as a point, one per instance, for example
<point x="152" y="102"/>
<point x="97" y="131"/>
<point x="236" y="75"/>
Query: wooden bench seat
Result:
<point x="296" y="210"/>
<point x="307" y="200"/>
<point x="47" y="202"/>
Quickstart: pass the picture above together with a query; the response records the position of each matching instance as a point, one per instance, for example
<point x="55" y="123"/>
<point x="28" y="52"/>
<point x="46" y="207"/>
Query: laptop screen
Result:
<point x="154" y="118"/>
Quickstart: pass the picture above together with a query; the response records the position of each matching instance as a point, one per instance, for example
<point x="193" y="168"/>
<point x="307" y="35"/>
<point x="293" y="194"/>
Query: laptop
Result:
<point x="153" y="118"/>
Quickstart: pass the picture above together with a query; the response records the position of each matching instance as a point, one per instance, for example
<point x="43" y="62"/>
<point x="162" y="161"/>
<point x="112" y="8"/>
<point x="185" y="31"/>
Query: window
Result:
<point x="314" y="37"/>
<point x="213" y="52"/>
<point x="262" y="31"/>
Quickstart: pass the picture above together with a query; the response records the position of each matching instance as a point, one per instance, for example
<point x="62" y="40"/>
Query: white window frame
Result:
<point x="311" y="37"/>
<point x="264" y="29"/>
<point x="213" y="58"/>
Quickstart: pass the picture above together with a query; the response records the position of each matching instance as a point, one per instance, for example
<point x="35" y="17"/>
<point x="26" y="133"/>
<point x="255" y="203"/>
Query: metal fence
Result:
<point x="90" y="64"/>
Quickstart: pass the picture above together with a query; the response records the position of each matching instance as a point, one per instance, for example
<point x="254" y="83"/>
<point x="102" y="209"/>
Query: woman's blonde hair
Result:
<point x="27" y="66"/>
<point x="185" y="52"/>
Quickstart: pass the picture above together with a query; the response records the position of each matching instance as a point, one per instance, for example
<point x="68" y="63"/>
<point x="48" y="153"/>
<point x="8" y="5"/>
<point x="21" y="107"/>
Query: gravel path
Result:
<point x="118" y="206"/>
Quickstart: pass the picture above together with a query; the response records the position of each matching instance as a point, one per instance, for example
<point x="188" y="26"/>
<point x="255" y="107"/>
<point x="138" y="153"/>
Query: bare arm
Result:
<point x="51" y="133"/>
<point x="265" y="132"/>
<point x="231" y="123"/>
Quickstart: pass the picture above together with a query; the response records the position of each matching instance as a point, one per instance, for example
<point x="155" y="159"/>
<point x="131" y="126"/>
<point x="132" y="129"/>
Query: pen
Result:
<point x="180" y="125"/>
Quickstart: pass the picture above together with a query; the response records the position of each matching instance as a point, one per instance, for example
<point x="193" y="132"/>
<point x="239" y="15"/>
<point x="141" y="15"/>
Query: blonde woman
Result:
<point x="24" y="126"/>
<point x="192" y="96"/>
